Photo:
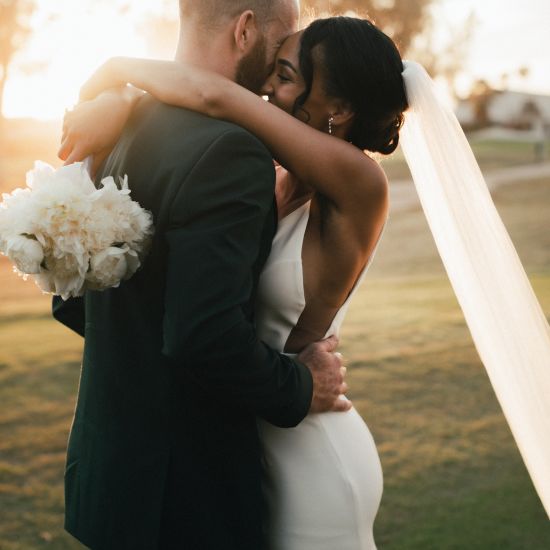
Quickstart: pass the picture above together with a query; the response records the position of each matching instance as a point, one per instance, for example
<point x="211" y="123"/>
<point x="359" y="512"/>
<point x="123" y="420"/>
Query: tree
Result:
<point x="524" y="71"/>
<point x="402" y="20"/>
<point x="14" y="29"/>
<point x="480" y="97"/>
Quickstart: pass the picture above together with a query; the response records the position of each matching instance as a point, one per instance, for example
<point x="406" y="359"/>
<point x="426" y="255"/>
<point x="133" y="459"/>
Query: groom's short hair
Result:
<point x="214" y="12"/>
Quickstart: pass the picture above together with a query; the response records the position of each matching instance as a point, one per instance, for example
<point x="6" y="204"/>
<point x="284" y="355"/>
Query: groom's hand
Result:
<point x="328" y="375"/>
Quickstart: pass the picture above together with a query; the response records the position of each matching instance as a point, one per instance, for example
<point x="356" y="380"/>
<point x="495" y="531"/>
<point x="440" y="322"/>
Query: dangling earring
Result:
<point x="330" y="121"/>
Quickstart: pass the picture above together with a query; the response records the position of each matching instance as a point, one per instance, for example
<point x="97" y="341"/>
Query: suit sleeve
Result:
<point x="214" y="241"/>
<point x="70" y="313"/>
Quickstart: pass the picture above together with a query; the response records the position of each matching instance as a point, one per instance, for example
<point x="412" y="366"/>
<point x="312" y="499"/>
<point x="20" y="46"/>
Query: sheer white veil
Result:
<point x="508" y="327"/>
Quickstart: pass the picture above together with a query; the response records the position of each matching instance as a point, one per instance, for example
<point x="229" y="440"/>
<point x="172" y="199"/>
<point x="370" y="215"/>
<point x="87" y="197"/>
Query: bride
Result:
<point x="337" y="90"/>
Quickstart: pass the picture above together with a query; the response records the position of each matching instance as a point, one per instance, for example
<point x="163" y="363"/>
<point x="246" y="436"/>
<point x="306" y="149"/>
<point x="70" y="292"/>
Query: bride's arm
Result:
<point x="334" y="168"/>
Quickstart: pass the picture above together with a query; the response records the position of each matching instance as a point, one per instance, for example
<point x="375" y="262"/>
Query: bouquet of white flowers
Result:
<point x="71" y="236"/>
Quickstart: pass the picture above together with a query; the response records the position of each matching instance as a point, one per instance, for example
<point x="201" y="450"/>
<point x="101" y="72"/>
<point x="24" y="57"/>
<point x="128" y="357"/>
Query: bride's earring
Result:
<point x="330" y="121"/>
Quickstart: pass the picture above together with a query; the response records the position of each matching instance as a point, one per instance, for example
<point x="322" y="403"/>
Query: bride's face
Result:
<point x="286" y="84"/>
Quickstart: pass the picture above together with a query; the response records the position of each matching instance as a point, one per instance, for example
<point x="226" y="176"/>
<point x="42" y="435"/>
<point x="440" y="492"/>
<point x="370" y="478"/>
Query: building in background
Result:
<point x="517" y="110"/>
<point x="504" y="114"/>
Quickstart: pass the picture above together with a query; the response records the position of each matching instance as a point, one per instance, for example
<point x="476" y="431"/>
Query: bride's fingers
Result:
<point x="87" y="92"/>
<point x="344" y="388"/>
<point x="66" y="114"/>
<point x="65" y="149"/>
<point x="64" y="129"/>
<point x="66" y="132"/>
<point x="77" y="155"/>
<point x="68" y="119"/>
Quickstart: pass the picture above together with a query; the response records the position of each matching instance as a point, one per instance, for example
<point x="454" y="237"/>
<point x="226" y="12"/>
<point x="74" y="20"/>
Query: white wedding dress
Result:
<point x="323" y="478"/>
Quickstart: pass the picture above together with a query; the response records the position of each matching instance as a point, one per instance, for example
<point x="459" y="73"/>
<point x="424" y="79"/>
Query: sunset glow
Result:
<point x="507" y="35"/>
<point x="67" y="44"/>
<point x="70" y="39"/>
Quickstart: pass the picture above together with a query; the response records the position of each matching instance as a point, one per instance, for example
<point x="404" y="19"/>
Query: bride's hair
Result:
<point x="361" y="65"/>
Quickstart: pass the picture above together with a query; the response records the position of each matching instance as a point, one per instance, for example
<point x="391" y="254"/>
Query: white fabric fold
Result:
<point x="507" y="324"/>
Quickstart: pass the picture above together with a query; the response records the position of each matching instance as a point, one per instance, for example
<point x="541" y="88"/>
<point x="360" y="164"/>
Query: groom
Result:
<point x="164" y="451"/>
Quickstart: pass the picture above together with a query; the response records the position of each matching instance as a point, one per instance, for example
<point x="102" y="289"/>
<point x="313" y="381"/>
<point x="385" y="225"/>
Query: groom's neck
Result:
<point x="210" y="52"/>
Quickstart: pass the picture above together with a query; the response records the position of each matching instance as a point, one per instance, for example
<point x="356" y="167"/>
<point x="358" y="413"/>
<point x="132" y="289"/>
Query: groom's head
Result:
<point x="238" y="38"/>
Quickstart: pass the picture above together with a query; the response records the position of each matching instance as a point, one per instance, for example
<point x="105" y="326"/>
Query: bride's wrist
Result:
<point x="115" y="100"/>
<point x="130" y="94"/>
<point x="109" y="76"/>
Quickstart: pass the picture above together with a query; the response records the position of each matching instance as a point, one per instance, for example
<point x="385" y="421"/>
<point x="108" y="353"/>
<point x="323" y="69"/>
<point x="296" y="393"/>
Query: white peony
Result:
<point x="70" y="235"/>
<point x="108" y="267"/>
<point x="27" y="254"/>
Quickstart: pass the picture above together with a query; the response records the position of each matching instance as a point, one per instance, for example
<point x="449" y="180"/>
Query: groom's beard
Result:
<point x="251" y="71"/>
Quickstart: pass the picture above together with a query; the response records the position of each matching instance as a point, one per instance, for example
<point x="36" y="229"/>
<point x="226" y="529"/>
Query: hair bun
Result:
<point x="377" y="136"/>
<point x="389" y="138"/>
<point x="389" y="147"/>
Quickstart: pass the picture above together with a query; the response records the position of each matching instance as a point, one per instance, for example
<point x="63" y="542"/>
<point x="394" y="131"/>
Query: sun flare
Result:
<point x="70" y="39"/>
<point x="68" y="43"/>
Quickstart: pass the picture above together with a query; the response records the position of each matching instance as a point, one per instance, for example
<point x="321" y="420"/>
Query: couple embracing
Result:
<point x="211" y="411"/>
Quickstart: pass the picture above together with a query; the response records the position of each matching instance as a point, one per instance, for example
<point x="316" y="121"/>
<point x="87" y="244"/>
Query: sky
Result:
<point x="71" y="38"/>
<point x="508" y="34"/>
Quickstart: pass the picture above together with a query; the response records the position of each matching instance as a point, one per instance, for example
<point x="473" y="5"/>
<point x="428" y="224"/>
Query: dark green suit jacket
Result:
<point x="164" y="450"/>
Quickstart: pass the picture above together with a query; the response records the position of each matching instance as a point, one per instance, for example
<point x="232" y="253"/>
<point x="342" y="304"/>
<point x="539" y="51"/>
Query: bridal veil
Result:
<point x="508" y="327"/>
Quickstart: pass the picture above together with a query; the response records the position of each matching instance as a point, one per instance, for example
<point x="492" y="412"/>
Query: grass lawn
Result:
<point x="453" y="476"/>
<point x="490" y="154"/>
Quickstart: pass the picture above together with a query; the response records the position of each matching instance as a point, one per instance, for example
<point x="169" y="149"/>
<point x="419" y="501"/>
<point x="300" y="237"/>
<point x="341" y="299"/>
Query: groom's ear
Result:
<point x="246" y="32"/>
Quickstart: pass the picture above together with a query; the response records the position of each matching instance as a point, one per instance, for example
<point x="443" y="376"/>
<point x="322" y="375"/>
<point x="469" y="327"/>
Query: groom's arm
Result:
<point x="214" y="241"/>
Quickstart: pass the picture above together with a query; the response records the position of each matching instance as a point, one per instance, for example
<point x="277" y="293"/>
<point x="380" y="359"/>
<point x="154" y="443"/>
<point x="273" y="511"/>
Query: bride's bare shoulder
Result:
<point x="362" y="172"/>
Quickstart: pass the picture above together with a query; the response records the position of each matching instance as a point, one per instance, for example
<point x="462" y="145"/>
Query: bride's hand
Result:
<point x="94" y="127"/>
<point x="109" y="75"/>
